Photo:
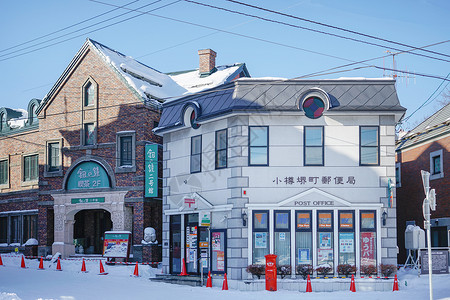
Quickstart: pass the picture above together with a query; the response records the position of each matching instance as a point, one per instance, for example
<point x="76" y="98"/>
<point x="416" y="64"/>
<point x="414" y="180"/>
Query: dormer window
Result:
<point x="2" y="122"/>
<point x="33" y="118"/>
<point x="89" y="94"/>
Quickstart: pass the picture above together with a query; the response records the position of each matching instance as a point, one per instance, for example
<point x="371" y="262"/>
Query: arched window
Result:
<point x="89" y="94"/>
<point x="2" y="121"/>
<point x="33" y="118"/>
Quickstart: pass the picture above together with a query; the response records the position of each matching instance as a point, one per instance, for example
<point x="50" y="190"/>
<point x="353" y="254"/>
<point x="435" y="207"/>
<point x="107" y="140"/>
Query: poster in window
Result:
<point x="303" y="220"/>
<point x="260" y="220"/>
<point x="220" y="261"/>
<point x="346" y="220"/>
<point x="368" y="220"/>
<point x="325" y="240"/>
<point x="215" y="241"/>
<point x="346" y="242"/>
<point x="260" y="239"/>
<point x="282" y="220"/>
<point x="324" y="256"/>
<point x="303" y="256"/>
<point x="282" y="236"/>
<point x="188" y="240"/>
<point x="368" y="248"/>
<point x="324" y="220"/>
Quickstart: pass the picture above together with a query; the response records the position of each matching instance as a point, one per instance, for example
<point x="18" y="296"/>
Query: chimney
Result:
<point x="207" y="62"/>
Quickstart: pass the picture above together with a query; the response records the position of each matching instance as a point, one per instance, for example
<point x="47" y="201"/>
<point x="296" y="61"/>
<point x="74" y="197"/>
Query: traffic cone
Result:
<point x="136" y="270"/>
<point x="352" y="284"/>
<point x="1" y="262"/>
<point x="102" y="271"/>
<point x="183" y="269"/>
<point x="58" y="266"/>
<point x="22" y="265"/>
<point x="225" y="283"/>
<point x="395" y="284"/>
<point x="41" y="264"/>
<point x="209" y="281"/>
<point x="308" y="285"/>
<point x="83" y="267"/>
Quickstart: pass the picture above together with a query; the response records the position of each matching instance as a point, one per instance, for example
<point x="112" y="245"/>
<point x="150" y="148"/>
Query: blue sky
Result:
<point x="170" y="45"/>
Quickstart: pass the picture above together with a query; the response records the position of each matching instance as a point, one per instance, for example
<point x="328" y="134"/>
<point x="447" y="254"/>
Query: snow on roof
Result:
<point x="147" y="81"/>
<point x="263" y="78"/>
<point x="20" y="121"/>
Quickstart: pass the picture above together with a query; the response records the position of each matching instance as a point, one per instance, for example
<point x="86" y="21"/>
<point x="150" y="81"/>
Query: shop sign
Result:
<point x="314" y="203"/>
<point x="88" y="175"/>
<point x="368" y="248"/>
<point x="205" y="219"/>
<point x="151" y="170"/>
<point x="315" y="180"/>
<point x="190" y="202"/>
<point x="116" y="244"/>
<point x="88" y="200"/>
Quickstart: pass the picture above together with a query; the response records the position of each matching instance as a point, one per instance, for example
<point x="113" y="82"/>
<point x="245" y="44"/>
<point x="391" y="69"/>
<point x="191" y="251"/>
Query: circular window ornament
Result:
<point x="313" y="107"/>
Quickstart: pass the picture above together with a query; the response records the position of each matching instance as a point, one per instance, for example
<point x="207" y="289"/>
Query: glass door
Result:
<point x="175" y="244"/>
<point x="191" y="231"/>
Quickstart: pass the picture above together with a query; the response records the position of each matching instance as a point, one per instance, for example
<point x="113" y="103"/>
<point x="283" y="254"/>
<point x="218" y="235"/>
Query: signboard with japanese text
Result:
<point x="439" y="261"/>
<point x="88" y="175"/>
<point x="346" y="242"/>
<point x="116" y="244"/>
<point x="205" y="218"/>
<point x="88" y="200"/>
<point x="368" y="249"/>
<point x="151" y="170"/>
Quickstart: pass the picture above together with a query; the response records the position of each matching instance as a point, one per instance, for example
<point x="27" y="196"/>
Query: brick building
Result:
<point x="72" y="165"/>
<point x="426" y="147"/>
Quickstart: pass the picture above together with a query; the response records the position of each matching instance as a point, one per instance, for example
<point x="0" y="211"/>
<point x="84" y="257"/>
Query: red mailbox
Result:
<point x="271" y="272"/>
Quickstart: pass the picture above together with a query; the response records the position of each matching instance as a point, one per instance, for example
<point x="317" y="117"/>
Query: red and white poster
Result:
<point x="368" y="248"/>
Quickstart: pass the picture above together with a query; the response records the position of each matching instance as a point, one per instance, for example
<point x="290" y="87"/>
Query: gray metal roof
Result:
<point x="283" y="95"/>
<point x="436" y="125"/>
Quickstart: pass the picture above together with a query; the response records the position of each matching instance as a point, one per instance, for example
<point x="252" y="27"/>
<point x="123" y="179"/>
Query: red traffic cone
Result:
<point x="209" y="281"/>
<point x="22" y="265"/>
<point x="225" y="283"/>
<point x="83" y="267"/>
<point x="102" y="271"/>
<point x="308" y="285"/>
<point x="395" y="284"/>
<point x="136" y="270"/>
<point x="41" y="264"/>
<point x="1" y="262"/>
<point x="58" y="266"/>
<point x="183" y="269"/>
<point x="352" y="284"/>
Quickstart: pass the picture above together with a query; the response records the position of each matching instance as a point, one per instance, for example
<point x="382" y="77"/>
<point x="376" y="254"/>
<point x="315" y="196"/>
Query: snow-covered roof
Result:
<point x="19" y="121"/>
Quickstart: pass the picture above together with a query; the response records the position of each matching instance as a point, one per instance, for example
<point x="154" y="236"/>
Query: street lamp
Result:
<point x="428" y="203"/>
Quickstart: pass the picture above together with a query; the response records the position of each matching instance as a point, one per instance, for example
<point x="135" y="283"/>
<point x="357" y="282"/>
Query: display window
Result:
<point x="368" y="241"/>
<point x="346" y="238"/>
<point x="282" y="237"/>
<point x="260" y="244"/>
<point x="303" y="238"/>
<point x="325" y="242"/>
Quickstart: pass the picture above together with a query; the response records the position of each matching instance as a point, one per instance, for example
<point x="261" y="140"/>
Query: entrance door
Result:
<point x="89" y="228"/>
<point x="175" y="244"/>
<point x="197" y="245"/>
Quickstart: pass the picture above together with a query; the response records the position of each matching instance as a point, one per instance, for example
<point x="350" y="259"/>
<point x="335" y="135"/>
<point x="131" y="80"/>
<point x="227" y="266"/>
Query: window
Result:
<point x="313" y="146"/>
<point x="2" y="122"/>
<point x="283" y="237"/>
<point x="398" y="175"/>
<point x="196" y="154"/>
<point x="30" y="167"/>
<point x="4" y="172"/>
<point x="369" y="153"/>
<point x="260" y="243"/>
<point x="53" y="152"/>
<point x="126" y="148"/>
<point x="3" y="230"/>
<point x="29" y="227"/>
<point x="89" y="94"/>
<point x="18" y="227"/>
<point x="303" y="238"/>
<point x="368" y="240"/>
<point x="221" y="149"/>
<point x="218" y="251"/>
<point x="89" y="134"/>
<point x="125" y="151"/>
<point x="258" y="145"/>
<point x="33" y="118"/>
<point x="436" y="165"/>
<point x="325" y="242"/>
<point x="347" y="238"/>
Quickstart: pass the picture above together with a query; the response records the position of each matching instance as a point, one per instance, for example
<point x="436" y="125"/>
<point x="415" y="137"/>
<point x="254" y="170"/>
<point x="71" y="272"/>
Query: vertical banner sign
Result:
<point x="390" y="193"/>
<point x="151" y="170"/>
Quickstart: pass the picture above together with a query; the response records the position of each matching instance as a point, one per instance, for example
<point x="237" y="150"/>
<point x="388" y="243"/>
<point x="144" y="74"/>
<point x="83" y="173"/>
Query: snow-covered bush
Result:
<point x="346" y="269"/>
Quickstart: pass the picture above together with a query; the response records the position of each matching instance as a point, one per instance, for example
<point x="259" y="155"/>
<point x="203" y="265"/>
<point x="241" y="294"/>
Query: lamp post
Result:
<point x="428" y="203"/>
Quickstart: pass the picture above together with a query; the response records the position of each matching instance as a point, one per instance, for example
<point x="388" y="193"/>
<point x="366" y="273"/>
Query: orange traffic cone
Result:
<point x="352" y="284"/>
<point x="102" y="271"/>
<point x="83" y="267"/>
<point x="136" y="270"/>
<point x="41" y="264"/>
<point x="308" y="285"/>
<point x="395" y="284"/>
<point x="58" y="266"/>
<point x="1" y="262"/>
<point x="209" y="281"/>
<point x="183" y="269"/>
<point x="225" y="283"/>
<point x="22" y="265"/>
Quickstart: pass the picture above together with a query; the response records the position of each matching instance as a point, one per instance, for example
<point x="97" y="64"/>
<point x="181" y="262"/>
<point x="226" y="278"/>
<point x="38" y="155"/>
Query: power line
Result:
<point x="309" y="29"/>
<point x="68" y="27"/>
<point x="332" y="26"/>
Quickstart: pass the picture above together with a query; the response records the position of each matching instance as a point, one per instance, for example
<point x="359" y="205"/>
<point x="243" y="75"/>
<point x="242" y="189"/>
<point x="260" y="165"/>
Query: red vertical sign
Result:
<point x="368" y="248"/>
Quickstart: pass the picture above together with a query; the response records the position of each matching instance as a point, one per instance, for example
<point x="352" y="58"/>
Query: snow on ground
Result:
<point x="70" y="284"/>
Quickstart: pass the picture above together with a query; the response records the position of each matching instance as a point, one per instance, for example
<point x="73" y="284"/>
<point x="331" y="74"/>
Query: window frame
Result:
<point x="6" y="183"/>
<point x="85" y="135"/>
<point x="377" y="146"/>
<point x="250" y="146"/>
<point x="20" y="216"/>
<point x="125" y="168"/>
<point x="48" y="170"/>
<point x="305" y="146"/>
<point x="89" y="82"/>
<point x="433" y="155"/>
<point x="29" y="181"/>
<point x="266" y="230"/>
<point x="218" y="150"/>
<point x="196" y="154"/>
